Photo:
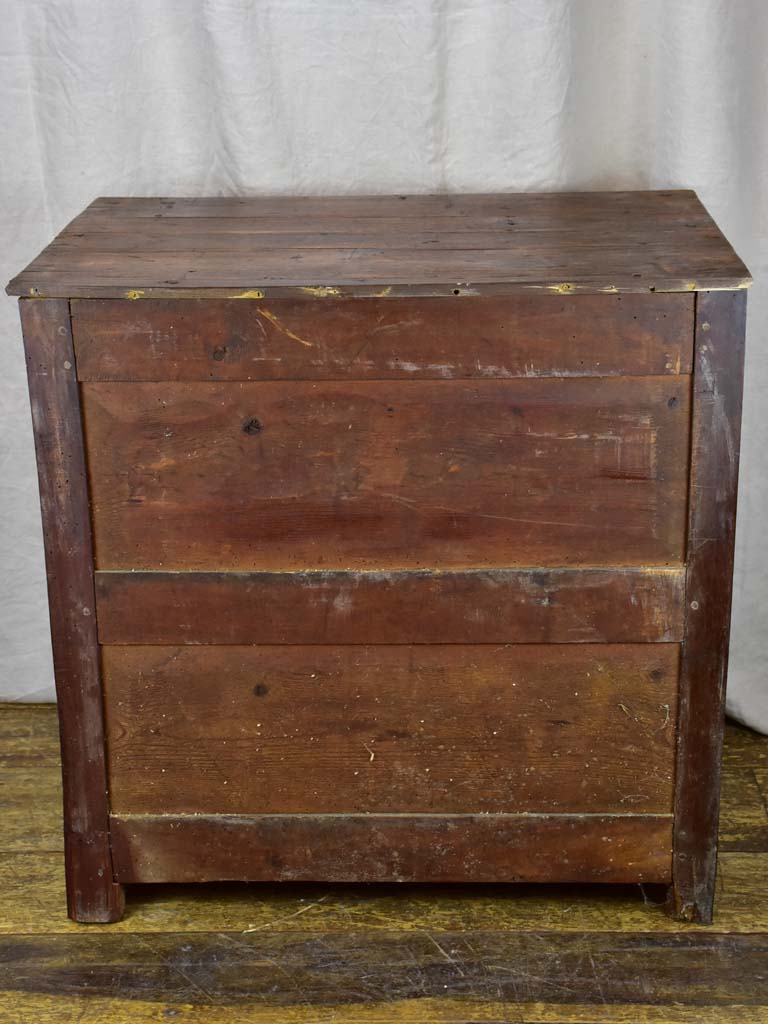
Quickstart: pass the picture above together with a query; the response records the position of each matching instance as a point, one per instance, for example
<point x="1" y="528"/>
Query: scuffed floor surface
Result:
<point x="370" y="955"/>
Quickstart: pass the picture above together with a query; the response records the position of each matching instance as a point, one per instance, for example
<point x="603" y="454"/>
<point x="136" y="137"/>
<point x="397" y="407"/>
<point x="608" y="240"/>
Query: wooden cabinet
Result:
<point x="360" y="573"/>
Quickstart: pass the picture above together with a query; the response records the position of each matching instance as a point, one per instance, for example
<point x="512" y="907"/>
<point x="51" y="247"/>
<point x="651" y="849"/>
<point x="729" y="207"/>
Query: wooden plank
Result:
<point x="391" y="976"/>
<point x="91" y="893"/>
<point x="30" y="809"/>
<point x="743" y="816"/>
<point x="744" y="748"/>
<point x="386" y="475"/>
<point x="409" y="606"/>
<point x="533" y="210"/>
<point x="48" y="1008"/>
<point x="569" y="728"/>
<point x="268" y="269"/>
<point x="29" y="736"/>
<point x="490" y="234"/>
<point x="593" y="242"/>
<point x="393" y="848"/>
<point x="717" y="389"/>
<point x="521" y="336"/>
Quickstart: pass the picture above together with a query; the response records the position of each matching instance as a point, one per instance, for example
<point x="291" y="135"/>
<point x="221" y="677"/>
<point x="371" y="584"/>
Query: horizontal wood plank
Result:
<point x="520" y="336"/>
<point x="424" y="729"/>
<point x="593" y="242"/>
<point x="388" y="976"/>
<point x="385" y="475"/>
<point x="624" y="605"/>
<point x="393" y="848"/>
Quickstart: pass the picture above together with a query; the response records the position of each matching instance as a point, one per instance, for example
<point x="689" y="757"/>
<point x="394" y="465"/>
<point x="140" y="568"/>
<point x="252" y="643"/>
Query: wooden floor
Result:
<point x="315" y="953"/>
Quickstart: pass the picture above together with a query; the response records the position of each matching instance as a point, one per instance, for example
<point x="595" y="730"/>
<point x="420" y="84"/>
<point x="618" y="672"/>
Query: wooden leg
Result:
<point x="92" y="894"/>
<point x="93" y="897"/>
<point x="692" y="899"/>
<point x="717" y="384"/>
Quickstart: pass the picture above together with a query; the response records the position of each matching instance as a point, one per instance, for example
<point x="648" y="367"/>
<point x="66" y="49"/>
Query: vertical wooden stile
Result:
<point x="717" y="389"/>
<point x="92" y="894"/>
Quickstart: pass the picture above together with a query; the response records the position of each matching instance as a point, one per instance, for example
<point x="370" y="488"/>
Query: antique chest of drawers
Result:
<point x="389" y="538"/>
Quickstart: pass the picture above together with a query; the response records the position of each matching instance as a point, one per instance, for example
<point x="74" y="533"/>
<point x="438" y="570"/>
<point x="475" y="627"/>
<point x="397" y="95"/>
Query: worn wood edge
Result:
<point x="339" y="290"/>
<point x="233" y="610"/>
<point x="716" y="424"/>
<point x="392" y="848"/>
<point x="222" y="339"/>
<point x="91" y="893"/>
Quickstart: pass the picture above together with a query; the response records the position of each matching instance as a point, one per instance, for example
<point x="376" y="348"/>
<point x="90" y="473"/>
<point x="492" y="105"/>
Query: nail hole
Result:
<point x="252" y="426"/>
<point x="456" y="291"/>
<point x="673" y="401"/>
<point x="219" y="353"/>
<point x="260" y="690"/>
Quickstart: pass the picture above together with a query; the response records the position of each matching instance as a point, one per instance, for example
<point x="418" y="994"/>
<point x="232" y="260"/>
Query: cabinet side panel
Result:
<point x="92" y="894"/>
<point x="718" y="376"/>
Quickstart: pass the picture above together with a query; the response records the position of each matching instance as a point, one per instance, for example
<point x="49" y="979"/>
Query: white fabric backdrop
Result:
<point x="211" y="97"/>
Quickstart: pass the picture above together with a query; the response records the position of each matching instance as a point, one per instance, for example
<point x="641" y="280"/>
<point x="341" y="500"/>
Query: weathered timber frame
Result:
<point x="92" y="893"/>
<point x="718" y="367"/>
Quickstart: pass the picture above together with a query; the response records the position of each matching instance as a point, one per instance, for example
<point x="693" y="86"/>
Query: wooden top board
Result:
<point x="386" y="245"/>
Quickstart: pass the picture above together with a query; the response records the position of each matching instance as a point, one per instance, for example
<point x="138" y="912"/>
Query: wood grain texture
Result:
<point x="32" y="887"/>
<point x="743" y="812"/>
<point x="356" y="245"/>
<point x="391" y="976"/>
<point x="29" y="737"/>
<point x="322" y="339"/>
<point x="393" y="848"/>
<point x="716" y="429"/>
<point x="30" y="809"/>
<point x="411" y="606"/>
<point x="386" y="475"/>
<point x="91" y="892"/>
<point x="570" y="728"/>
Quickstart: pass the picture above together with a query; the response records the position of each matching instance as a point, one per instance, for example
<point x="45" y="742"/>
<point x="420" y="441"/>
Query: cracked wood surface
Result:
<point x="599" y="242"/>
<point x="373" y="954"/>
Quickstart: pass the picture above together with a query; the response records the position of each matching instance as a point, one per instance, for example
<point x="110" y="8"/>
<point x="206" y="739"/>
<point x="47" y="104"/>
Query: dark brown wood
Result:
<point x="391" y="972"/>
<point x="92" y="894"/>
<point x="626" y="605"/>
<point x="564" y="728"/>
<point x="393" y="848"/>
<point x="322" y="339"/>
<point x="399" y="510"/>
<point x="592" y="242"/>
<point x="718" y="376"/>
<point x="382" y="475"/>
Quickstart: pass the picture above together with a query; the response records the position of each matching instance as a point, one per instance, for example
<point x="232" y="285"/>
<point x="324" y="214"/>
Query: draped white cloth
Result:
<point x="210" y="97"/>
